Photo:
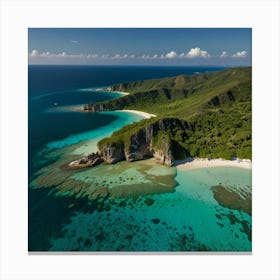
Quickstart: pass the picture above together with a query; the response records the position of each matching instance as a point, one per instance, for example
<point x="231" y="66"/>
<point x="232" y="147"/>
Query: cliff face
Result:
<point x="140" y="145"/>
<point x="164" y="156"/>
<point x="112" y="152"/>
<point x="152" y="141"/>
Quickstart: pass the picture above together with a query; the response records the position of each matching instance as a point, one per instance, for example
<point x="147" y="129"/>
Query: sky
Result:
<point x="140" y="46"/>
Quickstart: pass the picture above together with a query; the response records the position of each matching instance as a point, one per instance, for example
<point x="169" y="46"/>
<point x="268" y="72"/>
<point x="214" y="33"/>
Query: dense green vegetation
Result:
<point x="216" y="106"/>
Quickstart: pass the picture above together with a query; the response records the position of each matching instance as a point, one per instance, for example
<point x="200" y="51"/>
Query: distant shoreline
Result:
<point x="195" y="163"/>
<point x="69" y="108"/>
<point x="79" y="108"/>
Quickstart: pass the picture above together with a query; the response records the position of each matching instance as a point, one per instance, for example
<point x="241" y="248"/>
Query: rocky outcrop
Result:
<point x="112" y="152"/>
<point x="118" y="87"/>
<point x="100" y="107"/>
<point x="224" y="98"/>
<point x="154" y="140"/>
<point x="86" y="161"/>
<point x="87" y="108"/>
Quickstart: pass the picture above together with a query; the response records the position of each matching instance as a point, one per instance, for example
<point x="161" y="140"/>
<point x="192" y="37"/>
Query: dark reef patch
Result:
<point x="156" y="220"/>
<point x="187" y="242"/>
<point x="232" y="200"/>
<point x="245" y="227"/>
<point x="149" y="201"/>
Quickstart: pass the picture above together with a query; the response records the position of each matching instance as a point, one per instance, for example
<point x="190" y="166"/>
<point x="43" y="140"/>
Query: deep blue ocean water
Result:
<point x="53" y="217"/>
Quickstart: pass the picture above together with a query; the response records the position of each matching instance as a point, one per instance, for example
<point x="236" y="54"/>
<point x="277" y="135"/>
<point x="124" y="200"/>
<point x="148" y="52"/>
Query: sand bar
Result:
<point x="194" y="163"/>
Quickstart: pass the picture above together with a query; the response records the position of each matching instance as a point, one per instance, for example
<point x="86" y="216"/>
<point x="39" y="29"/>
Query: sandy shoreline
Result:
<point x="141" y="113"/>
<point x="108" y="90"/>
<point x="80" y="108"/>
<point x="194" y="163"/>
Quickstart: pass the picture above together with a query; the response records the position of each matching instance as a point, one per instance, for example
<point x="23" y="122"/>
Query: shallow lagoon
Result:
<point x="188" y="219"/>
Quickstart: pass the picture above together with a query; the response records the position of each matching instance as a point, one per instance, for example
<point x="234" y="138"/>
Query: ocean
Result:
<point x="135" y="207"/>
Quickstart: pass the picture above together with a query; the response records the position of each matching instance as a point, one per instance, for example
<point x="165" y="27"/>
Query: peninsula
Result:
<point x="199" y="116"/>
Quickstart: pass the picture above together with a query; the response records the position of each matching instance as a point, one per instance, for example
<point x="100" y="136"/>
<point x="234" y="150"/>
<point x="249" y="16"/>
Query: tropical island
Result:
<point x="140" y="140"/>
<point x="199" y="116"/>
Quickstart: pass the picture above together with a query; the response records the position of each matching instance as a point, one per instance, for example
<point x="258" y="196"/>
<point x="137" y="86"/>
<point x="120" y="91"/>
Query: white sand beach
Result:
<point x="108" y="90"/>
<point x="193" y="163"/>
<point x="80" y="108"/>
<point x="143" y="114"/>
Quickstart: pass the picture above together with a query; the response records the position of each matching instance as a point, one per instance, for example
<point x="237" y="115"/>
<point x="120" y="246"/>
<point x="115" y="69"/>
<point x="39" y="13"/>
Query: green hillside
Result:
<point x="215" y="106"/>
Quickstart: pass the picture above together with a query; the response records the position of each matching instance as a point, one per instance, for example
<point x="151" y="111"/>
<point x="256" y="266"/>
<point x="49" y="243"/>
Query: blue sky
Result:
<point x="140" y="46"/>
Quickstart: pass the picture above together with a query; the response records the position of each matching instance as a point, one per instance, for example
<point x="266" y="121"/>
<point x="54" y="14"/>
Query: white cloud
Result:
<point x="224" y="54"/>
<point x="197" y="52"/>
<point x="63" y="55"/>
<point x="240" y="54"/>
<point x="34" y="53"/>
<point x="104" y="56"/>
<point x="93" y="55"/>
<point x="117" y="56"/>
<point x="171" y="54"/>
<point x="45" y="54"/>
<point x="145" y="56"/>
<point x="74" y="41"/>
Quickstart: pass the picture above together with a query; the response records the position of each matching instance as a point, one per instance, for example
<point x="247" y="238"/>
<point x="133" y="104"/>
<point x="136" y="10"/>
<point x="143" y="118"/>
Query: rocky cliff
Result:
<point x="155" y="140"/>
<point x="112" y="152"/>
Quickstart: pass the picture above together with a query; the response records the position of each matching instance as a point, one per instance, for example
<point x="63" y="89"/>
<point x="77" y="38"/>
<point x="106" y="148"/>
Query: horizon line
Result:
<point x="138" y="65"/>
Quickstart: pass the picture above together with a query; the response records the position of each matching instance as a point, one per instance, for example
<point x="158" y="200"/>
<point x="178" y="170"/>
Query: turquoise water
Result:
<point x="139" y="206"/>
<point x="122" y="119"/>
<point x="183" y="220"/>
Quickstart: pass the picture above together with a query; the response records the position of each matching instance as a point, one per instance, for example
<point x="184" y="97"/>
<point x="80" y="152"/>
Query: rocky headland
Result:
<point x="152" y="141"/>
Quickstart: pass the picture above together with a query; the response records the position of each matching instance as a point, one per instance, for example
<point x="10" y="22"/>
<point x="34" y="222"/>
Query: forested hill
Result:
<point x="181" y="96"/>
<point x="203" y="115"/>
